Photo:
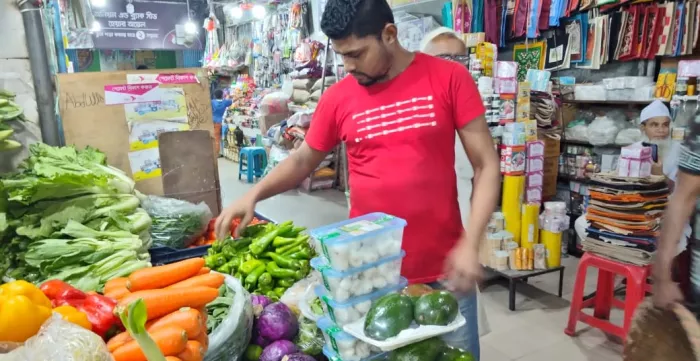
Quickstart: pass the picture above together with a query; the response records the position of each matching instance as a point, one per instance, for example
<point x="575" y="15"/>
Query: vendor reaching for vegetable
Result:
<point x="398" y="115"/>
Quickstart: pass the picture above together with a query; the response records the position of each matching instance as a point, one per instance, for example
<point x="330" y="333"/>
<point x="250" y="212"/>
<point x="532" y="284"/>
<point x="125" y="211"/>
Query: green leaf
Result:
<point x="134" y="318"/>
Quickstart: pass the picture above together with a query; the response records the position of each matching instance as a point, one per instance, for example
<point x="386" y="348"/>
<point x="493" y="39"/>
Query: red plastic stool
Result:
<point x="604" y="299"/>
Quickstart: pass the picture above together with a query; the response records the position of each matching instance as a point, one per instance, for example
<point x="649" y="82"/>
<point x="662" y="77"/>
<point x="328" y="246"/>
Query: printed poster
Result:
<point x="147" y="120"/>
<point x="181" y="78"/>
<point x="131" y="93"/>
<point x="145" y="164"/>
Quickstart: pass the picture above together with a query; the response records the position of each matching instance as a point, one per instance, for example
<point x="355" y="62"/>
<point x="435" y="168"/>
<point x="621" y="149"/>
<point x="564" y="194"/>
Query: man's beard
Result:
<point x="662" y="145"/>
<point x="371" y="80"/>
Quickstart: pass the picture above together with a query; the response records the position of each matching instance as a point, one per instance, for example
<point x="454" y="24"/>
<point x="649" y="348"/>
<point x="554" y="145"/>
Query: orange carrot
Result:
<point x="114" y="284"/>
<point x="203" y="340"/>
<point x="205" y="315"/>
<point x="170" y="340"/>
<point x="172" y="358"/>
<point x="187" y="318"/>
<point x="212" y="279"/>
<point x="118" y="341"/>
<point x="163" y="276"/>
<point x="117" y="293"/>
<point x="204" y="271"/>
<point x="193" y="352"/>
<point x="162" y="302"/>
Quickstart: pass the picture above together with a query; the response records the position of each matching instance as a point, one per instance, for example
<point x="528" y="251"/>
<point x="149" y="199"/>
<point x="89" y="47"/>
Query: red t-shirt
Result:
<point x="400" y="138"/>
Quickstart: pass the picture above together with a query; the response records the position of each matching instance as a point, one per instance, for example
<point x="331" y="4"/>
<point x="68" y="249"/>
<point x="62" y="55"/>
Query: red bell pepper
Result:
<point x="98" y="308"/>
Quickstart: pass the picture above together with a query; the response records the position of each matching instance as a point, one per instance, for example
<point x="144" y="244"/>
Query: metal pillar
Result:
<point x="41" y="72"/>
<point x="58" y="37"/>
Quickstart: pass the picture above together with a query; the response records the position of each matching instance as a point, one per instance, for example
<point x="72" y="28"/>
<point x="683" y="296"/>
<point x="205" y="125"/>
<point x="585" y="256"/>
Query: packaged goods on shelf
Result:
<point x="359" y="281"/>
<point x="530" y="224"/>
<point x="359" y="241"/>
<point x="344" y="313"/>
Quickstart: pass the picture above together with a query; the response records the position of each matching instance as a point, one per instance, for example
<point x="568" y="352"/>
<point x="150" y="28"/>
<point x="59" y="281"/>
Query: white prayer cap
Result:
<point x="434" y="34"/>
<point x="656" y="109"/>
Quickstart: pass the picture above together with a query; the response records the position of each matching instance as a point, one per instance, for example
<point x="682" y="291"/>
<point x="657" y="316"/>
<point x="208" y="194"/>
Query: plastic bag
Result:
<point x="176" y="223"/>
<point x="310" y="338"/>
<point x="61" y="340"/>
<point x="274" y="103"/>
<point x="603" y="130"/>
<point x="229" y="340"/>
<point x="628" y="136"/>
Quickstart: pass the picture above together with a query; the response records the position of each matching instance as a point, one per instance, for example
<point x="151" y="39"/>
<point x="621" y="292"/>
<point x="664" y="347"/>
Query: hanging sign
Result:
<point x="131" y="93"/>
<point x="177" y="78"/>
<point x="131" y="24"/>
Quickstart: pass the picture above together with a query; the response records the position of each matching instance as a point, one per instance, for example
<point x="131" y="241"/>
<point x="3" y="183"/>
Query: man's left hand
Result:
<point x="462" y="268"/>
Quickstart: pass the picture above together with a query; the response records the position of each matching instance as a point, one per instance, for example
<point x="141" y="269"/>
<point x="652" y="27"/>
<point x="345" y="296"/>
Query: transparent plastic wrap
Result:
<point x="176" y="223"/>
<point x="229" y="340"/>
<point x="603" y="130"/>
<point x="275" y="103"/>
<point x="310" y="339"/>
<point x="60" y="340"/>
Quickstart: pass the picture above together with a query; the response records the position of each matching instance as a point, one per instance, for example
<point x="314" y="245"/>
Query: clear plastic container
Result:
<point x="359" y="281"/>
<point x="347" y="347"/>
<point x="359" y="241"/>
<point x="333" y="356"/>
<point x="344" y="313"/>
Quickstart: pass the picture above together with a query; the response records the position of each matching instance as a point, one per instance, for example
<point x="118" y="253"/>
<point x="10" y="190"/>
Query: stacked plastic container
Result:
<point x="360" y="261"/>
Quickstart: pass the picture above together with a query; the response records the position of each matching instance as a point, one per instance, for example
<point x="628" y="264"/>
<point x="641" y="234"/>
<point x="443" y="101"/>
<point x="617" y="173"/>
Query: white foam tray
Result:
<point x="408" y="336"/>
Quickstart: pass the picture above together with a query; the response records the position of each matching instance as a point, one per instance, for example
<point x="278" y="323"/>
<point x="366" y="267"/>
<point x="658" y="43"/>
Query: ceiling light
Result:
<point x="259" y="11"/>
<point x="190" y="27"/>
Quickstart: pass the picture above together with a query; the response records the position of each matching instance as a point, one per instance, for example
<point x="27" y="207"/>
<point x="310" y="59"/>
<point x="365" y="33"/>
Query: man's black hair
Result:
<point x="218" y="94"/>
<point x="361" y="18"/>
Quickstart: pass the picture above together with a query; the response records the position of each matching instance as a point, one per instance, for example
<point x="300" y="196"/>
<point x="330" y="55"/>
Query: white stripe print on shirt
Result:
<point x="392" y="116"/>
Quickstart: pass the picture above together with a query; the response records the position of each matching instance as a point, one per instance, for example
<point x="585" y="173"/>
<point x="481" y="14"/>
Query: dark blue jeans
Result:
<point x="467" y="337"/>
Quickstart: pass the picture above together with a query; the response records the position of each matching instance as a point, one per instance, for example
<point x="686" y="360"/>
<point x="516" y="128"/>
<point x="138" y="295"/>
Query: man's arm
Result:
<point x="289" y="173"/>
<point x="477" y="143"/>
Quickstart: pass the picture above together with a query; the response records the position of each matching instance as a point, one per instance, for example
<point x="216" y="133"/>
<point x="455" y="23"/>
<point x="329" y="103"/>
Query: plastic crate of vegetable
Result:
<point x="347" y="347"/>
<point x="359" y="241"/>
<point x="345" y="313"/>
<point x="165" y="255"/>
<point x="359" y="281"/>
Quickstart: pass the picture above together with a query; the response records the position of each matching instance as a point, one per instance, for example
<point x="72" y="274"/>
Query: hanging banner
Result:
<point x="183" y="78"/>
<point x="131" y="93"/>
<point x="131" y="24"/>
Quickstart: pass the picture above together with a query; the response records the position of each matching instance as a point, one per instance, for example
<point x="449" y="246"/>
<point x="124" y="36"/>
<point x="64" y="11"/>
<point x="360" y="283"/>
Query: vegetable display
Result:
<point x="433" y="349"/>
<point x="23" y="309"/>
<point x="67" y="215"/>
<point x="9" y="110"/>
<point x="274" y="331"/>
<point x="218" y="309"/>
<point x="310" y="339"/>
<point x="268" y="259"/>
<point x="389" y="316"/>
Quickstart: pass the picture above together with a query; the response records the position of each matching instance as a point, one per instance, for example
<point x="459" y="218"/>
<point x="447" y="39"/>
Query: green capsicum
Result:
<point x="216" y="247"/>
<point x="301" y="240"/>
<point x="279" y="291"/>
<point x="296" y="249"/>
<point x="260" y="245"/>
<point x="283" y="241"/>
<point x="265" y="280"/>
<point x="228" y="268"/>
<point x="214" y="261"/>
<point x="229" y="251"/>
<point x="272" y="296"/>
<point x="277" y="272"/>
<point x="249" y="266"/>
<point x="303" y="254"/>
<point x="242" y="243"/>
<point x="295" y="231"/>
<point x="252" y="279"/>
<point x="286" y="282"/>
<point x="255" y="230"/>
<point x="283" y="261"/>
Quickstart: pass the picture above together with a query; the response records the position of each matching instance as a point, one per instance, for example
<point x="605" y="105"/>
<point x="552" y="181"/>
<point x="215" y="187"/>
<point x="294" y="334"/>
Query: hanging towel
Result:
<point x="520" y="18"/>
<point x="491" y="15"/>
<point x="533" y="17"/>
<point x="543" y="22"/>
<point x="554" y="12"/>
<point x="477" y="16"/>
<point x="504" y="21"/>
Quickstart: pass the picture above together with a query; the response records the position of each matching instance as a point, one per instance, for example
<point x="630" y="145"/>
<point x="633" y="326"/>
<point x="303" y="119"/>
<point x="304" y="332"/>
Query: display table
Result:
<point x="514" y="277"/>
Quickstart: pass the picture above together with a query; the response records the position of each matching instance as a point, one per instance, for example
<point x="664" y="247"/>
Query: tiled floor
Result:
<point x="534" y="332"/>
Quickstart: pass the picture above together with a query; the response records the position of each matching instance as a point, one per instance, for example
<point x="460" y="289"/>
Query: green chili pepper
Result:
<point x="214" y="261"/>
<point x="255" y="230"/>
<point x="228" y="268"/>
<point x="272" y="296"/>
<point x="296" y="249"/>
<point x="279" y="291"/>
<point x="303" y="254"/>
<point x="216" y="247"/>
<point x="295" y="231"/>
<point x="252" y="278"/>
<point x="238" y="275"/>
<point x="249" y="266"/>
<point x="242" y="243"/>
<point x="277" y="272"/>
<point x="283" y="241"/>
<point x="301" y="240"/>
<point x="265" y="280"/>
<point x="286" y="282"/>
<point x="229" y="251"/>
<point x="283" y="261"/>
<point x="260" y="245"/>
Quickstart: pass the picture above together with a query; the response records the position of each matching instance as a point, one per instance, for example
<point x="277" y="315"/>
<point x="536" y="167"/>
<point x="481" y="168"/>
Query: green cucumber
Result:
<point x="388" y="316"/>
<point x="428" y="350"/>
<point x="437" y="308"/>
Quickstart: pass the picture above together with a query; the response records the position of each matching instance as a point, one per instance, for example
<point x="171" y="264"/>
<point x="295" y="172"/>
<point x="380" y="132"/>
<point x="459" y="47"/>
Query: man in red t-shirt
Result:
<point x="397" y="115"/>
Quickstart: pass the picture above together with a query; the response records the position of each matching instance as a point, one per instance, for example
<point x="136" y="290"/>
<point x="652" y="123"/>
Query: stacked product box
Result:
<point x="534" y="173"/>
<point x="360" y="262"/>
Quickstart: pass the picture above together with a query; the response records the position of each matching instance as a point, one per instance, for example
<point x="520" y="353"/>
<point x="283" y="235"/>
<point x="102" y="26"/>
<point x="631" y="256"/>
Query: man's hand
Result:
<point x="666" y="294"/>
<point x="462" y="268"/>
<point x="243" y="208"/>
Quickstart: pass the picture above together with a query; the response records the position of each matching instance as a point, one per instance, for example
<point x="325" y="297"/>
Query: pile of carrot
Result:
<point x="175" y="296"/>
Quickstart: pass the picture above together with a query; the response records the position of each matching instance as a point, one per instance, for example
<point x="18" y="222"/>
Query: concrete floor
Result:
<point x="534" y="332"/>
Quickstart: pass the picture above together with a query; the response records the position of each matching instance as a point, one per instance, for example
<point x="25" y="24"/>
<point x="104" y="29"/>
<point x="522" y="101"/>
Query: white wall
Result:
<point x="15" y="75"/>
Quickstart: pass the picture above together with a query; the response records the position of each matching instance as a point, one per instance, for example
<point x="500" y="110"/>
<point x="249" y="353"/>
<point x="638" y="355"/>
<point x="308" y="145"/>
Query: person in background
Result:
<point x="218" y="108"/>
<point x="398" y="114"/>
<point x="445" y="43"/>
<point x="655" y="122"/>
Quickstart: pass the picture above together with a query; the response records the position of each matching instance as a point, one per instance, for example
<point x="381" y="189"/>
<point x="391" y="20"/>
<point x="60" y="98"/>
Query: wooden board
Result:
<point x="88" y="121"/>
<point x="186" y="174"/>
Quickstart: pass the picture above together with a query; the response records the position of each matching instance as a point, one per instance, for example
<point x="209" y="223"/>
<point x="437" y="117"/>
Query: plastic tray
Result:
<point x="343" y="313"/>
<point x="359" y="241"/>
<point x="161" y="255"/>
<point x="347" y="347"/>
<point x="407" y="337"/>
<point x="333" y="356"/>
<point x="359" y="281"/>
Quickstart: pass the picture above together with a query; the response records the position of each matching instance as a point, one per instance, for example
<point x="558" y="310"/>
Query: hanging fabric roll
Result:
<point x="511" y="204"/>
<point x="530" y="225"/>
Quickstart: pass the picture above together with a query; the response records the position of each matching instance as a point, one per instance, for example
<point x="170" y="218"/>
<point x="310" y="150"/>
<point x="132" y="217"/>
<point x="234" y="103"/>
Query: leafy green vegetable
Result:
<point x="310" y="338"/>
<point x="134" y="318"/>
<point x="218" y="309"/>
<point x="176" y="223"/>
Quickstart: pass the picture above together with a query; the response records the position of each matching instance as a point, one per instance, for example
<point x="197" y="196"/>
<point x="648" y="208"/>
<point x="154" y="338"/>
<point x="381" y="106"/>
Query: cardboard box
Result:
<point x="552" y="147"/>
<point x="265" y="122"/>
<point x="551" y="171"/>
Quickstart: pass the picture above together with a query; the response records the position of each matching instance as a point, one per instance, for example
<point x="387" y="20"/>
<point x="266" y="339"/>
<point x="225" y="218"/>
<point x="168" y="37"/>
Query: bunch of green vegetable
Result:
<point x="268" y="259"/>
<point x="67" y="215"/>
<point x="218" y="309"/>
<point x="9" y="110"/>
<point x="176" y="223"/>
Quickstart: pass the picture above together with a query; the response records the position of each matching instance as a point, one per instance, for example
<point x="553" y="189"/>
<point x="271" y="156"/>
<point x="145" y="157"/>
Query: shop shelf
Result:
<point x="161" y="255"/>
